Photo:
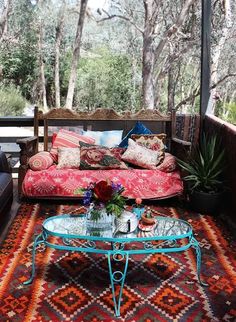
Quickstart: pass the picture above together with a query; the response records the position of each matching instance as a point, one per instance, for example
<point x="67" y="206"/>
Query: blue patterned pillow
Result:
<point x="109" y="139"/>
<point x="139" y="128"/>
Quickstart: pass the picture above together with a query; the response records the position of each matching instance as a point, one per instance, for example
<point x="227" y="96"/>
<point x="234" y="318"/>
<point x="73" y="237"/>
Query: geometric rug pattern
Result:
<point x="70" y="286"/>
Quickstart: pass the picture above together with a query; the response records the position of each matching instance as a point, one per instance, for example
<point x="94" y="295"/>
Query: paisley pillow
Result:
<point x="40" y="161"/>
<point x="140" y="155"/>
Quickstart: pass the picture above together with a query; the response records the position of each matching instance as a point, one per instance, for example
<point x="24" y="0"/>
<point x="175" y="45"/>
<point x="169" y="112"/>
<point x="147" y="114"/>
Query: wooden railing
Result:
<point x="12" y="128"/>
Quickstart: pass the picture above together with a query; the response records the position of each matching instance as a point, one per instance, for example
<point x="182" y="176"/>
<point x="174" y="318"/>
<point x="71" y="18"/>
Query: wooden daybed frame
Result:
<point x="99" y="120"/>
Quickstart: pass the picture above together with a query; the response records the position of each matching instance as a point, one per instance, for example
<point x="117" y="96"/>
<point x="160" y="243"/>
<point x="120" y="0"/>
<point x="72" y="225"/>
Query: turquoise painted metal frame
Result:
<point x="118" y="252"/>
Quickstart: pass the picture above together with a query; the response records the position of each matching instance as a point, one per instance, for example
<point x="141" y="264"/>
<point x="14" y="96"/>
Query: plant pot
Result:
<point x="147" y="220"/>
<point x="208" y="203"/>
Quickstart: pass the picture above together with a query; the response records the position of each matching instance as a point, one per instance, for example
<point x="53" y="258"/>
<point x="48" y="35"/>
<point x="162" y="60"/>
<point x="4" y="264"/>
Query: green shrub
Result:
<point x="231" y="108"/>
<point x="12" y="103"/>
<point x="226" y="111"/>
<point x="105" y="80"/>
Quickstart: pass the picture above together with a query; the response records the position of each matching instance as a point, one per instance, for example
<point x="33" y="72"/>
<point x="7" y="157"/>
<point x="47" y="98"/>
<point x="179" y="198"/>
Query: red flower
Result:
<point x="103" y="191"/>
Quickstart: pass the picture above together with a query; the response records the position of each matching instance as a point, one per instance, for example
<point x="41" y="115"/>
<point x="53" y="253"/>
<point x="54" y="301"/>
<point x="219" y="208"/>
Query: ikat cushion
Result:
<point x="139" y="128"/>
<point x="68" y="139"/>
<point x="68" y="158"/>
<point x="109" y="139"/>
<point x="40" y="161"/>
<point x="98" y="157"/>
<point x="141" y="156"/>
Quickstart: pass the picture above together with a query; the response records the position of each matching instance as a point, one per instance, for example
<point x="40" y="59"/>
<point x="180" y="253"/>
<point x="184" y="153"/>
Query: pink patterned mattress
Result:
<point x="146" y="184"/>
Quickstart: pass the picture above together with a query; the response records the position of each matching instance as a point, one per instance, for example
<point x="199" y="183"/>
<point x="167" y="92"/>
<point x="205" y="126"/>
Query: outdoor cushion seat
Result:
<point x="142" y="183"/>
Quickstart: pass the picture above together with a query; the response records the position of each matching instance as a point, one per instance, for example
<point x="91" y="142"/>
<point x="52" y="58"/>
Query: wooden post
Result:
<point x="205" y="57"/>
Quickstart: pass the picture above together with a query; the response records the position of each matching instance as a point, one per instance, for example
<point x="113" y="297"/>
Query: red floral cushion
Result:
<point x="168" y="164"/>
<point x="138" y="183"/>
<point x="40" y="161"/>
<point x="67" y="139"/>
<point x="98" y="157"/>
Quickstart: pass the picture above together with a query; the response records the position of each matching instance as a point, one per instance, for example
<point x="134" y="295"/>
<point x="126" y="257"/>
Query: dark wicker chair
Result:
<point x="6" y="183"/>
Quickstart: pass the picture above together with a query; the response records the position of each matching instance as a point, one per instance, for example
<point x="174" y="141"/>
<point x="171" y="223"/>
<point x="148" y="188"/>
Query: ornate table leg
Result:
<point x="195" y="245"/>
<point x="38" y="240"/>
<point x="117" y="277"/>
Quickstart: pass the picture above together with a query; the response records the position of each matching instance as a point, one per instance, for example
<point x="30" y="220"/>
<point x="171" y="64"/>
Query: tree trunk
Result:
<point x="219" y="47"/>
<point x="171" y="90"/>
<point x="76" y="53"/>
<point x="148" y="56"/>
<point x="147" y="73"/>
<point x="59" y="32"/>
<point x="4" y="18"/>
<point x="41" y="67"/>
<point x="151" y="54"/>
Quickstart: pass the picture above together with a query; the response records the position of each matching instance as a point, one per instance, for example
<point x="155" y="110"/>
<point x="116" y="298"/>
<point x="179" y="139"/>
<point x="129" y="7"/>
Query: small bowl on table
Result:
<point x="148" y="220"/>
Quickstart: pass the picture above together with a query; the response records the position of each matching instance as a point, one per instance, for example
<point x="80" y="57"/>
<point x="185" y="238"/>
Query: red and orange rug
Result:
<point x="76" y="287"/>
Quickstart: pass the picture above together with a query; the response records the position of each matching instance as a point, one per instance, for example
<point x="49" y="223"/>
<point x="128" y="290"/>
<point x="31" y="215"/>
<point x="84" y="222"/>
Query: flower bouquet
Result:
<point x="104" y="196"/>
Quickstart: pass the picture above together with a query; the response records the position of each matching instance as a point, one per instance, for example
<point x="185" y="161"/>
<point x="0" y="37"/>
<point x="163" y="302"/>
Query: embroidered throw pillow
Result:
<point x="98" y="157"/>
<point x="139" y="128"/>
<point x="109" y="139"/>
<point x="168" y="164"/>
<point x="40" y="161"/>
<point x="118" y="152"/>
<point x="140" y="155"/>
<point x="68" y="139"/>
<point x="68" y="158"/>
<point x="152" y="141"/>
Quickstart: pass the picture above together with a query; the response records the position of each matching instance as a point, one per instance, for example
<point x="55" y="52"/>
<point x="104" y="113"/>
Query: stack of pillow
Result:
<point x="90" y="150"/>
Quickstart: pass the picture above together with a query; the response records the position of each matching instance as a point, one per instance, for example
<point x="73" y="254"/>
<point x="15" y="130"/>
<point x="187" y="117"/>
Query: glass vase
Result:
<point x="104" y="221"/>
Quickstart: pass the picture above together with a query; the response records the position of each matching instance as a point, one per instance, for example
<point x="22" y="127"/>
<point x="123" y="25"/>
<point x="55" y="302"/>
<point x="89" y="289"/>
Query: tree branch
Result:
<point x="196" y="91"/>
<point x="174" y="28"/>
<point x="120" y="17"/>
<point x="222" y="80"/>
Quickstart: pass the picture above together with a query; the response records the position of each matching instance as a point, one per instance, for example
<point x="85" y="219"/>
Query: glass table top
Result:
<point x="76" y="226"/>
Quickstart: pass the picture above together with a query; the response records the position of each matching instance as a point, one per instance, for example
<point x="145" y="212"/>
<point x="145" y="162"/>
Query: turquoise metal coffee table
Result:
<point x="71" y="233"/>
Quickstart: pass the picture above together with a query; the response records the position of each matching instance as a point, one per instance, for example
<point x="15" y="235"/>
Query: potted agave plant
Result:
<point x="203" y="174"/>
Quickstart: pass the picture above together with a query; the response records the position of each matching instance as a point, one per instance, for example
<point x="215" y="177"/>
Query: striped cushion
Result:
<point x="68" y="139"/>
<point x="41" y="161"/>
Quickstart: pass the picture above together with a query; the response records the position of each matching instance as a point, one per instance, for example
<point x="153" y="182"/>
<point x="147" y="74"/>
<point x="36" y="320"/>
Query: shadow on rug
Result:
<point x="76" y="287"/>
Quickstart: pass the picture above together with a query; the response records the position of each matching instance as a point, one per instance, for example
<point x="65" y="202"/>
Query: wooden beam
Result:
<point x="205" y="57"/>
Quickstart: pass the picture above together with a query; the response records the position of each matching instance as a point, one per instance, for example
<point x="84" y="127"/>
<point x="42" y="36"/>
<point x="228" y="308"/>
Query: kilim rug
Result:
<point x="76" y="286"/>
